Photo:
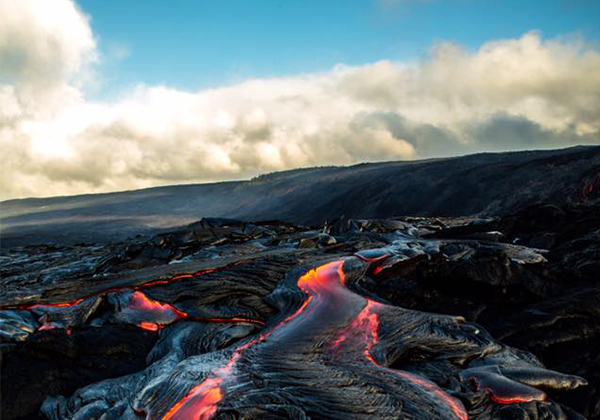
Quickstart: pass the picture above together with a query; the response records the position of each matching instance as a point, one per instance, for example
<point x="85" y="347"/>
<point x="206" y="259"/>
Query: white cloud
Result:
<point x="510" y="94"/>
<point x="45" y="47"/>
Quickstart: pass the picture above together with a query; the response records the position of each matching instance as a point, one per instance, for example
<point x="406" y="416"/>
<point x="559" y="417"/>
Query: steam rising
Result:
<point x="510" y="94"/>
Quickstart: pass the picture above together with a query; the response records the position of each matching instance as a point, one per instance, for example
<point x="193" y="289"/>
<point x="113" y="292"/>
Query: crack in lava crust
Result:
<point x="147" y="314"/>
<point x="330" y="313"/>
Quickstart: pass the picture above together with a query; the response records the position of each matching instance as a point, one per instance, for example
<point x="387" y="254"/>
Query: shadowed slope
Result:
<point x="476" y="184"/>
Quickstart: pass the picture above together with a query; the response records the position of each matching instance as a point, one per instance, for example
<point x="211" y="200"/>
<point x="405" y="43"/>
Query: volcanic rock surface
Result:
<point x="487" y="184"/>
<point x="404" y="317"/>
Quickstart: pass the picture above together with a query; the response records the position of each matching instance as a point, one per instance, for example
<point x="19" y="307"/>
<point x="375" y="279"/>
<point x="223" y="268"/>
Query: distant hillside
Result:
<point x="488" y="183"/>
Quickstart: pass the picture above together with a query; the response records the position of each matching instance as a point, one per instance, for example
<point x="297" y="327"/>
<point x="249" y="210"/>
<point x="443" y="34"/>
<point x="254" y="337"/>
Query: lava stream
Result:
<point x="328" y="312"/>
<point x="367" y="323"/>
<point x="119" y="289"/>
<point x="152" y="315"/>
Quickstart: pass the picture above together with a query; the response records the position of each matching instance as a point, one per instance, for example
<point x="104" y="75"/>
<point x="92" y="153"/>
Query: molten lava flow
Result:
<point x="513" y="400"/>
<point x="367" y="322"/>
<point x="50" y="317"/>
<point x="141" y="302"/>
<point x="377" y="270"/>
<point x="154" y="315"/>
<point x="177" y="277"/>
<point x="454" y="405"/>
<point x="44" y="327"/>
<point x="328" y="303"/>
<point x="201" y="401"/>
<point x="502" y="390"/>
<point x="55" y="305"/>
<point x="149" y="326"/>
<point x="119" y="289"/>
<point x="149" y="314"/>
<point x="323" y="278"/>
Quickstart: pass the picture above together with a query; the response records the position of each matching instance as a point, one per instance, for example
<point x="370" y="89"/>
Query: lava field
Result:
<point x="398" y="318"/>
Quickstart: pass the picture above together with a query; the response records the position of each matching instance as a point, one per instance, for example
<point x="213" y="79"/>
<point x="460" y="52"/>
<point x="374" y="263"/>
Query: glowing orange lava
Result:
<point x="47" y="327"/>
<point x="513" y="400"/>
<point x="201" y="401"/>
<point x="149" y="314"/>
<point x="56" y="305"/>
<point x="377" y="270"/>
<point x="327" y="303"/>
<point x="368" y="322"/>
<point x="504" y="395"/>
<point x="139" y="301"/>
<point x="326" y="292"/>
<point x="323" y="277"/>
<point x="158" y="315"/>
<point x="119" y="289"/>
<point x="149" y="326"/>
<point x="454" y="404"/>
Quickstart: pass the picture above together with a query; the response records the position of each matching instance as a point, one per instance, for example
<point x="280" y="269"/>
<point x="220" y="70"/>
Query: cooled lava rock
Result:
<point x="408" y="317"/>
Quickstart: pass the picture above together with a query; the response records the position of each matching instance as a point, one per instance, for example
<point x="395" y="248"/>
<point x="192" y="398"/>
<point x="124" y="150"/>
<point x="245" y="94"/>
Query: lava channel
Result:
<point x="152" y="315"/>
<point x="328" y="313"/>
<point x="139" y="310"/>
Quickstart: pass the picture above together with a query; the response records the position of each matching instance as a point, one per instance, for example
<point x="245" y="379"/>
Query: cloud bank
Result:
<point x="510" y="94"/>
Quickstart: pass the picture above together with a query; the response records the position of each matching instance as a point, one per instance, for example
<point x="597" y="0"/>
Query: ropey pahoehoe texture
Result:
<point x="227" y="319"/>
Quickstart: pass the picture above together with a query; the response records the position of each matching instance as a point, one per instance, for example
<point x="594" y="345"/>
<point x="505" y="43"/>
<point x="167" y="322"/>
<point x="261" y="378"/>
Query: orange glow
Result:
<point x="320" y="284"/>
<point x="172" y="279"/>
<point x="112" y="290"/>
<point x="149" y="326"/>
<point x="454" y="404"/>
<point x="55" y="305"/>
<point x="201" y="401"/>
<point x="339" y="341"/>
<point x="154" y="315"/>
<point x="323" y="277"/>
<point x="139" y="301"/>
<point x="507" y="398"/>
<point x="367" y="321"/>
<point x="514" y="400"/>
<point x="324" y="288"/>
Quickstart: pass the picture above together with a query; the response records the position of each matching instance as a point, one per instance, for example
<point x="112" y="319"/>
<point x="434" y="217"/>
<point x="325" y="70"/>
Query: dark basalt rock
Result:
<point x="235" y="320"/>
<point x="52" y="362"/>
<point x="488" y="184"/>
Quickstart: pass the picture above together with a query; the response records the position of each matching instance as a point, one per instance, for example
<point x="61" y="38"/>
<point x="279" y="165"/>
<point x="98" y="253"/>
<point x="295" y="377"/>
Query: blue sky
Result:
<point x="191" y="44"/>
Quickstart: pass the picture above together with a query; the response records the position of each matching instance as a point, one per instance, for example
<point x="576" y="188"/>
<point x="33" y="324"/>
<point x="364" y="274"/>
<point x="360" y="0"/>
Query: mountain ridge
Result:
<point x="483" y="183"/>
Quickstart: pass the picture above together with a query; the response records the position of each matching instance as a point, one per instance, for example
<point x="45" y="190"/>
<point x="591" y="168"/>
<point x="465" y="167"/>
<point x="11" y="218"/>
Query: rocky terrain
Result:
<point x="404" y="317"/>
<point x="488" y="316"/>
<point x="487" y="184"/>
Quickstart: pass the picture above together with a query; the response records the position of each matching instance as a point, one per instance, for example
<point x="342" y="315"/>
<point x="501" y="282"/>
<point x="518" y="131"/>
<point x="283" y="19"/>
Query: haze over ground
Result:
<point x="489" y="184"/>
